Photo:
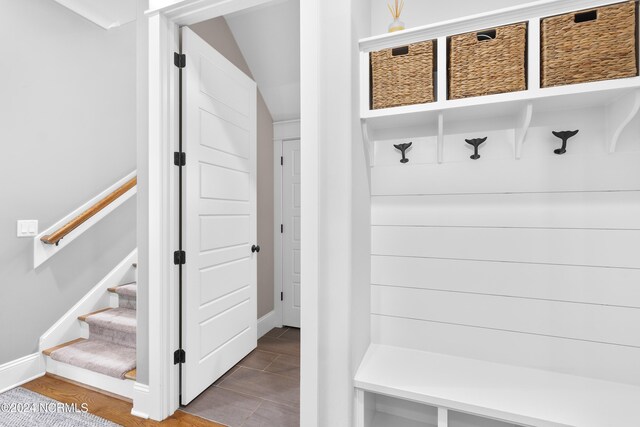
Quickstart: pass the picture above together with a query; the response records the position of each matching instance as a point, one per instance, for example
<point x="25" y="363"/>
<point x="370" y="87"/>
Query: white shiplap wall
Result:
<point x="532" y="262"/>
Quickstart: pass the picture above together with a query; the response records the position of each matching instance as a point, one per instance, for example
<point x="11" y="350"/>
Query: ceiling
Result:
<point x="269" y="38"/>
<point x="107" y="14"/>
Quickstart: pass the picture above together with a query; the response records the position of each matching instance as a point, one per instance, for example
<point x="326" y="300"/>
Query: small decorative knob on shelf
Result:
<point x="564" y="136"/>
<point x="475" y="143"/>
<point x="403" y="148"/>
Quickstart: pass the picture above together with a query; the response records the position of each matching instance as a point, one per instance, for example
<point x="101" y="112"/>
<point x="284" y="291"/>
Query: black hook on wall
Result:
<point x="564" y="136"/>
<point x="403" y="148"/>
<point x="475" y="143"/>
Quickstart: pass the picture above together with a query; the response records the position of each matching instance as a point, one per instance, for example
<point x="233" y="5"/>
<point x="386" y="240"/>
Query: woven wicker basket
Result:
<point x="590" y="45"/>
<point x="402" y="76"/>
<point x="488" y="62"/>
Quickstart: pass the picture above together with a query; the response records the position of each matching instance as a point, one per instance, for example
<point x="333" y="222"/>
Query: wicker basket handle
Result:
<point x="586" y="16"/>
<point x="399" y="51"/>
<point x="487" y="35"/>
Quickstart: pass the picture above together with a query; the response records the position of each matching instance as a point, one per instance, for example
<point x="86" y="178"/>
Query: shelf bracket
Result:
<point x="368" y="150"/>
<point x="522" y="126"/>
<point x="619" y="114"/>
<point x="440" y="147"/>
<point x="443" y="417"/>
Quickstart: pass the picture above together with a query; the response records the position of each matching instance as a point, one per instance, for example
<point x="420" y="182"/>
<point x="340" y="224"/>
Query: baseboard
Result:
<point x="140" y="401"/>
<point x="20" y="371"/>
<point x="267" y="323"/>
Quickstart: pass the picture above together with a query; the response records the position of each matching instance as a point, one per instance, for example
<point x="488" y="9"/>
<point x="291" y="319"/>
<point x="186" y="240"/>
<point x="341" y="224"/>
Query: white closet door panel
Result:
<point x="218" y="158"/>
<point x="218" y="330"/>
<point x="545" y="210"/>
<point x="607" y="248"/>
<point x="224" y="136"/>
<point x="606" y="286"/>
<point x="575" y="357"/>
<point x="225" y="87"/>
<point x="223" y="184"/>
<point x="217" y="257"/>
<point x="224" y="231"/>
<point x="223" y="207"/>
<point x="616" y="171"/>
<point x="223" y="279"/>
<point x="614" y="325"/>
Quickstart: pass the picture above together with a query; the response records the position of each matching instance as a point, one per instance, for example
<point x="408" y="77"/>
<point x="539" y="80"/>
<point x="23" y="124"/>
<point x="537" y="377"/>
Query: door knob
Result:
<point x="255" y="248"/>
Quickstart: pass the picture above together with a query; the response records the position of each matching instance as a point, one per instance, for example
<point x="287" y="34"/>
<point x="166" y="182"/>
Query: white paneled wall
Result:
<point x="532" y="262"/>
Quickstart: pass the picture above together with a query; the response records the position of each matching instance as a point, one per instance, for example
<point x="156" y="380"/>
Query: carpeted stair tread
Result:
<point x="84" y="316"/>
<point x="99" y="356"/>
<point x="48" y="351"/>
<point x="126" y="290"/>
<point x="116" y="319"/>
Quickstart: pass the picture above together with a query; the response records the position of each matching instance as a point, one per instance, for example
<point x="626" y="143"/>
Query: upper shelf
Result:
<point x="620" y="97"/>
<point x="559" y="98"/>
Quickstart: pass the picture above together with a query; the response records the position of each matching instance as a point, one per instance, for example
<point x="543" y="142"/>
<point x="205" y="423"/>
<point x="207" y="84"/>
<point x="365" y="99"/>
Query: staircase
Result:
<point x="105" y="358"/>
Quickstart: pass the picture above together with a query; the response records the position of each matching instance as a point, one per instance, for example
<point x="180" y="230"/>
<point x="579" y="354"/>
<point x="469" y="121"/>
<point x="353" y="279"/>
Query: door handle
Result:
<point x="255" y="248"/>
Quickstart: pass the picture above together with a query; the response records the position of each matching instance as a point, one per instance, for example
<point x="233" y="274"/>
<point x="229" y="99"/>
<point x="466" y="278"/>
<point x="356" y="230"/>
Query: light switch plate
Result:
<point x="27" y="227"/>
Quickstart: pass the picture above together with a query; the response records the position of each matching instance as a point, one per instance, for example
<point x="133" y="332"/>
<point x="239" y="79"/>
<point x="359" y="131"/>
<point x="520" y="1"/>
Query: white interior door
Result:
<point x="219" y="215"/>
<point x="291" y="233"/>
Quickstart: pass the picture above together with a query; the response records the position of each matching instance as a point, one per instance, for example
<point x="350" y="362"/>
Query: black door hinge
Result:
<point x="179" y="158"/>
<point x="281" y="160"/>
<point x="179" y="257"/>
<point x="281" y="296"/>
<point x="179" y="356"/>
<point x="179" y="59"/>
<point x="282" y="228"/>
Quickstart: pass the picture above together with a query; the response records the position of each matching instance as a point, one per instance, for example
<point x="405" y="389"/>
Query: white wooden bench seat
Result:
<point x="517" y="395"/>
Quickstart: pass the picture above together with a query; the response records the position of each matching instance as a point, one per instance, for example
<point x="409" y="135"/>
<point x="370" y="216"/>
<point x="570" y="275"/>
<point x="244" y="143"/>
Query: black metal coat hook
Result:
<point x="564" y="136"/>
<point x="475" y="143"/>
<point x="403" y="148"/>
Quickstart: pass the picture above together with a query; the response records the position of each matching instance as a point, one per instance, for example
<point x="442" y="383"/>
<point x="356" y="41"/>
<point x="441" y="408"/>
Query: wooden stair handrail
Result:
<point x="54" y="238"/>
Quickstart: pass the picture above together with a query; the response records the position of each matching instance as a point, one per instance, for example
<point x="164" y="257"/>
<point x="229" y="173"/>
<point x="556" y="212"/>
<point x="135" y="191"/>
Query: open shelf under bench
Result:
<point x="522" y="396"/>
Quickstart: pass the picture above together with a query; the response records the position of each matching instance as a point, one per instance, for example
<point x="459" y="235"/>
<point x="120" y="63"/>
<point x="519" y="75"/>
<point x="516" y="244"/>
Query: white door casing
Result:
<point x="291" y="234"/>
<point x="219" y="306"/>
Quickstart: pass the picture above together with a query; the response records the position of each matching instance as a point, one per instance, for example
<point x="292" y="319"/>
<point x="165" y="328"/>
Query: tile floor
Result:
<point x="263" y="389"/>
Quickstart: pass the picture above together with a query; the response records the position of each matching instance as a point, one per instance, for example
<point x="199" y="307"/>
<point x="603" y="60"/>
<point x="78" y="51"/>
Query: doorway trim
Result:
<point x="282" y="131"/>
<point x="158" y="182"/>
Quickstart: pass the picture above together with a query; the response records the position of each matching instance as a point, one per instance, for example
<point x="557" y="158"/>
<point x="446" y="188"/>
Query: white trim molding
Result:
<point x="161" y="187"/>
<point x="43" y="251"/>
<point x="141" y="402"/>
<point x="267" y="323"/>
<point x="20" y="371"/>
<point x="289" y="129"/>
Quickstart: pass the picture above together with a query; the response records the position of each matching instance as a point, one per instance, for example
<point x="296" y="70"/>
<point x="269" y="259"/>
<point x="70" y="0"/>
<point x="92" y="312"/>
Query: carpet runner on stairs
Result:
<point x="111" y="347"/>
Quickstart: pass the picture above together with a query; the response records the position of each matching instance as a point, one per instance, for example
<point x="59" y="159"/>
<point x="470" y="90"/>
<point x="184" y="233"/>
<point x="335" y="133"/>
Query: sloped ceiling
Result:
<point x="105" y="13"/>
<point x="269" y="38"/>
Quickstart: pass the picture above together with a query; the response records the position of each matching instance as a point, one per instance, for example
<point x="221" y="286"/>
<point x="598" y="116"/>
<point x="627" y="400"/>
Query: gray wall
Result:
<point x="216" y="32"/>
<point x="67" y="115"/>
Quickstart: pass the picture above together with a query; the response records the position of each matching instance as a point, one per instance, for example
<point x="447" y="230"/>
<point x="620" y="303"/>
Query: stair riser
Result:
<point x="110" y="335"/>
<point x="127" y="302"/>
<point x="93" y="379"/>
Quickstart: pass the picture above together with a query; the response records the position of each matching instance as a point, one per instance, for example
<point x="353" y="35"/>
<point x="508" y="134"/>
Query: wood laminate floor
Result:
<point x="107" y="407"/>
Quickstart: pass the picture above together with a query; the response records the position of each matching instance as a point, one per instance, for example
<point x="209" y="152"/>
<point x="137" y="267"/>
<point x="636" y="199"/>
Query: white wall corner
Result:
<point x="20" y="371"/>
<point x="266" y="323"/>
<point x="141" y="401"/>
<point x="289" y="129"/>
